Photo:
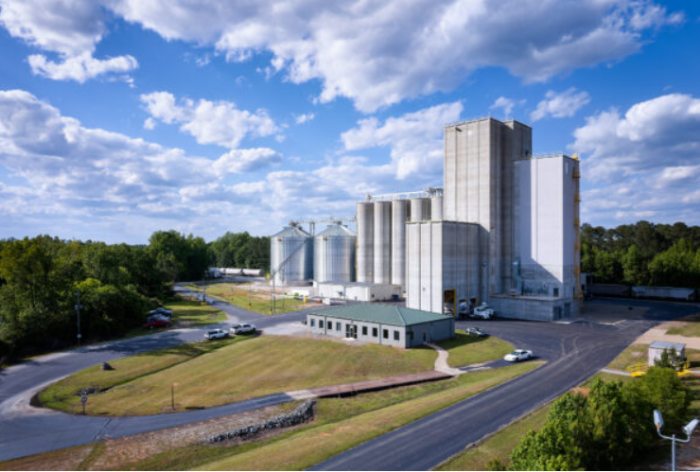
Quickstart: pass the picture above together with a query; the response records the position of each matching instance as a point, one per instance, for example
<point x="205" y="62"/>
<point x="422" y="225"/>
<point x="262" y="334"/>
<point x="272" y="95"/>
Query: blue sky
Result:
<point x="122" y="117"/>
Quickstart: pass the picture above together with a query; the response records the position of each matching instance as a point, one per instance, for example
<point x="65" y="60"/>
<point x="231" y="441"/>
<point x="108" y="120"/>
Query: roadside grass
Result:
<point x="187" y="314"/>
<point x="240" y="295"/>
<point x="317" y="444"/>
<point x="467" y="350"/>
<point x="690" y="330"/>
<point x="258" y="367"/>
<point x="498" y="446"/>
<point x="70" y="458"/>
<point x="634" y="354"/>
<point x="63" y="395"/>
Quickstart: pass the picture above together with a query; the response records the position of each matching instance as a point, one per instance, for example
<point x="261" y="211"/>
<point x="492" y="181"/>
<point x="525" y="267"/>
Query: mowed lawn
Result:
<point x="239" y="294"/>
<point x="187" y="313"/>
<point x="467" y="350"/>
<point x="242" y="370"/>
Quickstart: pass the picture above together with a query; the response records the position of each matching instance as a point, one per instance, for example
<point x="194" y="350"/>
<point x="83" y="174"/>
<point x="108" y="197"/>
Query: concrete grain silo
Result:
<point x="365" y="242"/>
<point x="420" y="209"/>
<point x="399" y="215"/>
<point x="382" y="242"/>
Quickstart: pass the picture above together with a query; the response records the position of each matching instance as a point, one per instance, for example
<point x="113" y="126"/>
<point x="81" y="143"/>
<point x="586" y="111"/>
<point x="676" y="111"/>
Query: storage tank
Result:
<point x="420" y="209"/>
<point x="334" y="255"/>
<point x="365" y="242"/>
<point x="382" y="242"/>
<point x="436" y="208"/>
<point x="297" y="245"/>
<point x="399" y="214"/>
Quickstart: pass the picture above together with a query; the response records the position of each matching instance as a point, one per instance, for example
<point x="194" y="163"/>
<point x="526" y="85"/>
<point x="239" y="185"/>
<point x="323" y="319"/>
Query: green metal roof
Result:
<point x="379" y="313"/>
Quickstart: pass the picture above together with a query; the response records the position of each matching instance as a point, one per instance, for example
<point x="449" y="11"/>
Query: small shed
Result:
<point x="359" y="291"/>
<point x="390" y="325"/>
<point x="658" y="347"/>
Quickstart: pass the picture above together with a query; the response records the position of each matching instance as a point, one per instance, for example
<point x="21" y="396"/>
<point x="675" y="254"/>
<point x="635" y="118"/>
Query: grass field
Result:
<point x="241" y="295"/>
<point x="188" y="314"/>
<point x="63" y="394"/>
<point x="314" y="445"/>
<point x="690" y="330"/>
<point x="499" y="446"/>
<point x="634" y="354"/>
<point x="466" y="350"/>
<point x="241" y="370"/>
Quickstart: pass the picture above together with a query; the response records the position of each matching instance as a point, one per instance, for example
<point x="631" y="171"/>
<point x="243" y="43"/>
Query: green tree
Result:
<point x="634" y="267"/>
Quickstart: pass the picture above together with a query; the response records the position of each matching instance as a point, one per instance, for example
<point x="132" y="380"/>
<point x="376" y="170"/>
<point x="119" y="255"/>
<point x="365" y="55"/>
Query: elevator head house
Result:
<point x="382" y="324"/>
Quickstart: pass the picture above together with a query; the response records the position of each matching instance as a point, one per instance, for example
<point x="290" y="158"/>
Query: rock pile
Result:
<point x="301" y="414"/>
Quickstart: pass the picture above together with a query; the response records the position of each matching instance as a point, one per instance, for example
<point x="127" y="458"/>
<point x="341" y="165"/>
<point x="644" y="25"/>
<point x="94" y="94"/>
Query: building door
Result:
<point x="449" y="302"/>
<point x="350" y="331"/>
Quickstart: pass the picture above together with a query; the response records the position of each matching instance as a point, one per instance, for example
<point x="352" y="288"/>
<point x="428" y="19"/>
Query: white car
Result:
<point x="244" y="328"/>
<point x="483" y="312"/>
<point x="518" y="355"/>
<point x="216" y="334"/>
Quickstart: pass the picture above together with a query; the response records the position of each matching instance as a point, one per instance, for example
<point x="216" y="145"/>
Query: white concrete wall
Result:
<point x="359" y="292"/>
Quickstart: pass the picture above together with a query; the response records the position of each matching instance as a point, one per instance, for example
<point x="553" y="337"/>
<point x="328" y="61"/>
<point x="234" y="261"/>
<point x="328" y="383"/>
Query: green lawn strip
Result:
<point x="467" y="350"/>
<point x="63" y="394"/>
<point x="315" y="445"/>
<point x="187" y="314"/>
<point x="634" y="354"/>
<point x="261" y="366"/>
<point x="498" y="446"/>
<point x="237" y="294"/>
<point x="691" y="330"/>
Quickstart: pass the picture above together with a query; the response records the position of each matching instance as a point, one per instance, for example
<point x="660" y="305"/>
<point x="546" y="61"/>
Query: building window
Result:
<point x="313" y="322"/>
<point x="374" y="332"/>
<point x="364" y="331"/>
<point x="396" y="335"/>
<point x="338" y="326"/>
<point x="385" y="333"/>
<point x="555" y="291"/>
<point x="320" y="323"/>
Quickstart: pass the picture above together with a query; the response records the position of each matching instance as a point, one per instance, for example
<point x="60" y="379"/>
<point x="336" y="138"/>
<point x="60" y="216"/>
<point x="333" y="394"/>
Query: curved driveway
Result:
<point x="25" y="430"/>
<point x="574" y="352"/>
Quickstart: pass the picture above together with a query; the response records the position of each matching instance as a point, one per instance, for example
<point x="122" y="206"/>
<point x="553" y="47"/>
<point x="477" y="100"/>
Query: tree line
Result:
<point x="643" y="253"/>
<point x="118" y="283"/>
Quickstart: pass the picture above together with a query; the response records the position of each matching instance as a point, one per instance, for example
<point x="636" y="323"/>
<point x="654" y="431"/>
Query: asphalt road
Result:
<point x="25" y="430"/>
<point x="574" y="352"/>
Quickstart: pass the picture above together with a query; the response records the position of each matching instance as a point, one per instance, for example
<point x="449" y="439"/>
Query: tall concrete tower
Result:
<point x="478" y="188"/>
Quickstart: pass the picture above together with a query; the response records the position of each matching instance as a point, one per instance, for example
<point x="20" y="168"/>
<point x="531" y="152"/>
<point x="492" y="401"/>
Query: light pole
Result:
<point x="687" y="429"/>
<point x="77" y="309"/>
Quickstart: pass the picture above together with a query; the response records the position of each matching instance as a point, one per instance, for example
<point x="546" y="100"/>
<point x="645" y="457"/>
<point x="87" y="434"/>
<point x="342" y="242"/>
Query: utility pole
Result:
<point x="78" y="306"/>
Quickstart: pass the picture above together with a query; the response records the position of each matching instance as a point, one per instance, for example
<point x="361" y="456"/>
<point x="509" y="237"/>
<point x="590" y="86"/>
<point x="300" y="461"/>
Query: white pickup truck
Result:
<point x="483" y="312"/>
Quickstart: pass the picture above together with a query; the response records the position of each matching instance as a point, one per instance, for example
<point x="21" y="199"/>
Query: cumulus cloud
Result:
<point x="373" y="53"/>
<point x="506" y="104"/>
<point x="415" y="138"/>
<point x="560" y="105"/>
<point x="645" y="161"/>
<point x="304" y="118"/>
<point x="69" y="28"/>
<point x="219" y="122"/>
<point x="73" y="170"/>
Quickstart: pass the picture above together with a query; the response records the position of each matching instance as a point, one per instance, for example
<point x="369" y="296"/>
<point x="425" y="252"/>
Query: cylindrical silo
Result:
<point x="365" y="242"/>
<point x="334" y="255"/>
<point x="420" y="209"/>
<point x="399" y="213"/>
<point x="382" y="242"/>
<point x="436" y="208"/>
<point x="295" y="246"/>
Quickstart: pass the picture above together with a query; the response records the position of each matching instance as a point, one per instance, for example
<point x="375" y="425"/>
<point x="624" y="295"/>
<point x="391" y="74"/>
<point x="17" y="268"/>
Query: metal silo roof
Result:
<point x="292" y="232"/>
<point x="336" y="231"/>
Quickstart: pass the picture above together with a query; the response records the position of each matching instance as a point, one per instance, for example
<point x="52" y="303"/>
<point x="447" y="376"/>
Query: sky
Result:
<point x="119" y="118"/>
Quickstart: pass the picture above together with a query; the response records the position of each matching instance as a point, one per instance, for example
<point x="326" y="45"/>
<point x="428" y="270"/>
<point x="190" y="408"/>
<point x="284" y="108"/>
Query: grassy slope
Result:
<point x="466" y="350"/>
<point x="315" y="445"/>
<point x="188" y="314"/>
<point x="634" y="354"/>
<point x="255" y="368"/>
<point x="499" y="446"/>
<point x="62" y="395"/>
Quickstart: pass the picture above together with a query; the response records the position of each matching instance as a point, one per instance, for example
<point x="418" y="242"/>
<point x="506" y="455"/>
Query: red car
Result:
<point x="157" y="323"/>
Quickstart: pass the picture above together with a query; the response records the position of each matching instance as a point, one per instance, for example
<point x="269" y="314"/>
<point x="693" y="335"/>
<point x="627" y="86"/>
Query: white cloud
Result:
<point x="81" y="67"/>
<point x="645" y="161"/>
<point x="304" y="118"/>
<point x="70" y="28"/>
<point x="506" y="104"/>
<point x="415" y="138"/>
<point x="210" y="122"/>
<point x="93" y="174"/>
<point x="150" y="123"/>
<point x="560" y="105"/>
<point x="374" y="53"/>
